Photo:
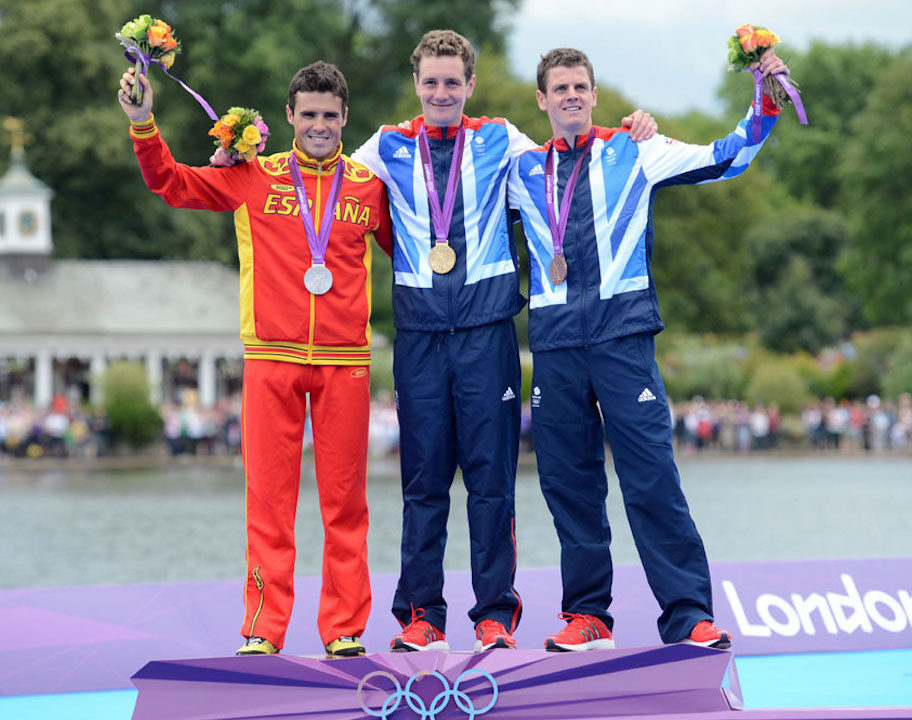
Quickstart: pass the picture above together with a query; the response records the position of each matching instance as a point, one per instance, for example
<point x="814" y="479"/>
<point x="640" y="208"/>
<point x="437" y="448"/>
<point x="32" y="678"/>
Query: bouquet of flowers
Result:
<point x="148" y="39"/>
<point x="745" y="48"/>
<point x="239" y="135"/>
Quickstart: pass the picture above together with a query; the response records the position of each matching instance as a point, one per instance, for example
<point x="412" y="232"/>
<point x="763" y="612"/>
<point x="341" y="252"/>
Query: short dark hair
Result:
<point x="562" y="57"/>
<point x="319" y="77"/>
<point x="435" y="43"/>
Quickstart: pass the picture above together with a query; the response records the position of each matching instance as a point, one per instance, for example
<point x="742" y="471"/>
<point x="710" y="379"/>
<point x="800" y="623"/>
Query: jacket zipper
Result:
<point x="579" y="254"/>
<point x="313" y="299"/>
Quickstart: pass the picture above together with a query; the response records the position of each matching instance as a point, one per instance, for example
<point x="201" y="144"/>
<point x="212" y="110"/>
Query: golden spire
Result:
<point x="15" y="128"/>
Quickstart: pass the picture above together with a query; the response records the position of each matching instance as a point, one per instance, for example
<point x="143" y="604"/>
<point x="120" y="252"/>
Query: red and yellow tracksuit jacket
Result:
<point x="280" y="319"/>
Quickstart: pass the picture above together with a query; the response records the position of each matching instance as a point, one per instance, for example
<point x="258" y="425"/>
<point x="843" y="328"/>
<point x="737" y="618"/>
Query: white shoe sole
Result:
<point x="601" y="644"/>
<point x="718" y="644"/>
<point x="441" y="645"/>
<point x="481" y="648"/>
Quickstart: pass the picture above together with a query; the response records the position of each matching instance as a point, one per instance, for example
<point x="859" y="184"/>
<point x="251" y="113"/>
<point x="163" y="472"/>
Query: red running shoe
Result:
<point x="419" y="635"/>
<point x="706" y="634"/>
<point x="491" y="634"/>
<point x="583" y="632"/>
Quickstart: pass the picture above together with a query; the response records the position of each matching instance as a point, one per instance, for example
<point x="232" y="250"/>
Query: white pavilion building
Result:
<point x="63" y="321"/>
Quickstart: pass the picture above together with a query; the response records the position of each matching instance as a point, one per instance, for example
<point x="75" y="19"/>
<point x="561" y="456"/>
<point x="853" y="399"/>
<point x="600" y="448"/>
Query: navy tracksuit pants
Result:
<point x="619" y="377"/>
<point x="458" y="400"/>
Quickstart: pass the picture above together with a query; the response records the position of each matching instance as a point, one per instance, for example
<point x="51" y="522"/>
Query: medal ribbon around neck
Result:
<point x="316" y="242"/>
<point x="559" y="227"/>
<point x="441" y="218"/>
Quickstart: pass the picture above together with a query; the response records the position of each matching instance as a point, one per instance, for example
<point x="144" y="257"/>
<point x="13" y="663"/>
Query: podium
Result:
<point x="668" y="680"/>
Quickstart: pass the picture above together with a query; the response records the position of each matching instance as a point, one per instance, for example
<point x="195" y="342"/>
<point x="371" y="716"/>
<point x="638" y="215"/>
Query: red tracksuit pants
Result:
<point x="273" y="429"/>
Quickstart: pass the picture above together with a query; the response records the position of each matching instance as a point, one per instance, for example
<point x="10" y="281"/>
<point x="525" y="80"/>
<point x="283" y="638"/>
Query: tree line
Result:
<point x="812" y="244"/>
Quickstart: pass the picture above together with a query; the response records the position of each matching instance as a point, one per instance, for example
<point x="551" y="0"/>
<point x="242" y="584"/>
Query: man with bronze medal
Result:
<point x="456" y="358"/>
<point x="593" y="314"/>
<point x="305" y="310"/>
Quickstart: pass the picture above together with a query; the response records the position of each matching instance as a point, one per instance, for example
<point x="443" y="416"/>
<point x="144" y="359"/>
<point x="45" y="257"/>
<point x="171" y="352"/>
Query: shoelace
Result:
<point x="417" y="614"/>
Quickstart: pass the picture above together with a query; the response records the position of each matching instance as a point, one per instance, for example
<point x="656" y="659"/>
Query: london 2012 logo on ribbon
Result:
<point x="417" y="704"/>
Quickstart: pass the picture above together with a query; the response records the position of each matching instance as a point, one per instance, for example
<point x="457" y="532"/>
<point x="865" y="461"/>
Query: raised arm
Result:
<point x="179" y="185"/>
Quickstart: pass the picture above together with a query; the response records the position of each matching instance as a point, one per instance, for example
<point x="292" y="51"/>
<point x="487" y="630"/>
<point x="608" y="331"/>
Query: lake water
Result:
<point x="186" y="522"/>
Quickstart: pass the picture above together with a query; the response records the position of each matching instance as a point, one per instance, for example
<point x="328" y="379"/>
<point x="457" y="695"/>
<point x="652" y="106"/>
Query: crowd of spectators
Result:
<point x="847" y="426"/>
<point x="69" y="430"/>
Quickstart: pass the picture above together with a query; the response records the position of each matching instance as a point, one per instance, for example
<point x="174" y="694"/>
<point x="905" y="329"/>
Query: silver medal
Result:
<point x="318" y="279"/>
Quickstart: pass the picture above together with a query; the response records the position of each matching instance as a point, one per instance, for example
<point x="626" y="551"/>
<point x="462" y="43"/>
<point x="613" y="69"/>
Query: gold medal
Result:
<point x="557" y="270"/>
<point x="442" y="258"/>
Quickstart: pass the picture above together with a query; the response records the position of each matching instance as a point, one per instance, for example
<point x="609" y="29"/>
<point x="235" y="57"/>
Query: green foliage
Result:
<point x="877" y="172"/>
<point x="777" y="379"/>
<point x="700" y="261"/>
<point x="797" y="282"/>
<point x="134" y="419"/>
<point x="898" y="378"/>
<point x="872" y="352"/>
<point x="381" y="377"/>
<point x="701" y="365"/>
<point x="525" y="362"/>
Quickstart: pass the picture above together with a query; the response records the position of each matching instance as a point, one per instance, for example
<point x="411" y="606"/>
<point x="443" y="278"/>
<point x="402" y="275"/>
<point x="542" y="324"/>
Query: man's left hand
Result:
<point x="642" y="125"/>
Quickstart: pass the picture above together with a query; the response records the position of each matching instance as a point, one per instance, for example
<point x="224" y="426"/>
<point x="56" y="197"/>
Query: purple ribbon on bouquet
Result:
<point x="134" y="53"/>
<point x="758" y="101"/>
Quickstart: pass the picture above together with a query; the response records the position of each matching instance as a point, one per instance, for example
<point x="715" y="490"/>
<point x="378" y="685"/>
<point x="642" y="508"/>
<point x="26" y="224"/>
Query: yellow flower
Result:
<point x="766" y="38"/>
<point x="250" y="154"/>
<point x="242" y="147"/>
<point x="252" y="135"/>
<point x="168" y="59"/>
<point x="231" y="119"/>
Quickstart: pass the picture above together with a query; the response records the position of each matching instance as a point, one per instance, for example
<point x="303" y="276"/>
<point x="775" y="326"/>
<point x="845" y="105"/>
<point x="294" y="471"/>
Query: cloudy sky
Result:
<point x="669" y="55"/>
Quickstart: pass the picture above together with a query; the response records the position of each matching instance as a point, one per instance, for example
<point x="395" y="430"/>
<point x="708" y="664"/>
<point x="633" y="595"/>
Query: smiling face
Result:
<point x="318" y="119"/>
<point x="568" y="99"/>
<point x="442" y="88"/>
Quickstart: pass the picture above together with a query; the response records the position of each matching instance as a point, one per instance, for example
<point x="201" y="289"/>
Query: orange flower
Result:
<point x="216" y="129"/>
<point x="745" y="29"/>
<point x="159" y="34"/>
<point x="749" y="42"/>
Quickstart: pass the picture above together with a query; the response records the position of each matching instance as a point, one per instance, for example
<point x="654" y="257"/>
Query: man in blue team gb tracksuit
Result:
<point x="456" y="361"/>
<point x="593" y="314"/>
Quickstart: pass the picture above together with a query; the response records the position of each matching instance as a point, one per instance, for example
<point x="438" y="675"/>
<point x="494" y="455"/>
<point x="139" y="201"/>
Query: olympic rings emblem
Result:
<point x="414" y="701"/>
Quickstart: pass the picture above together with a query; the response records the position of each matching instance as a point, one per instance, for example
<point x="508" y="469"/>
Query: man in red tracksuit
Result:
<point x="298" y="338"/>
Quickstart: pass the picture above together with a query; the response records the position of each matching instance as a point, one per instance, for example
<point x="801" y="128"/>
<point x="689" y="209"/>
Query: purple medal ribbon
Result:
<point x="133" y="53"/>
<point x="441" y="218"/>
<point x="790" y="90"/>
<point x="559" y="229"/>
<point x="317" y="243"/>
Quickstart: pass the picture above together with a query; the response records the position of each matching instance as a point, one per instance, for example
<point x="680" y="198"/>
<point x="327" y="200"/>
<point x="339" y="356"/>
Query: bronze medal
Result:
<point x="557" y="270"/>
<point x="442" y="258"/>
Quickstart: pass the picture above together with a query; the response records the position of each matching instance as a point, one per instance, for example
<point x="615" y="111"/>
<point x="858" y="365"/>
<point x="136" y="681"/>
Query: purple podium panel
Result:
<point x="503" y="684"/>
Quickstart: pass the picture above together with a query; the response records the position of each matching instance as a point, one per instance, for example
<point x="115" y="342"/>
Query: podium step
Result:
<point x="668" y="680"/>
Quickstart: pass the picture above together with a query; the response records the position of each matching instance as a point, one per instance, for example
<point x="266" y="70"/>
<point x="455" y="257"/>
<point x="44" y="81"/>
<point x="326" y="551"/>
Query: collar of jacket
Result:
<point x="307" y="163"/>
<point x="437" y="132"/>
<point x="561" y="145"/>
